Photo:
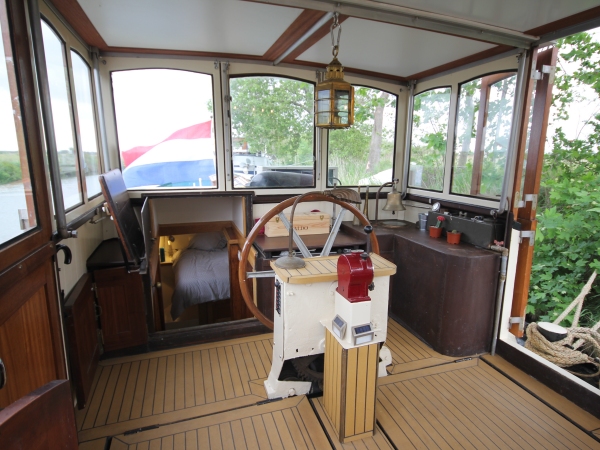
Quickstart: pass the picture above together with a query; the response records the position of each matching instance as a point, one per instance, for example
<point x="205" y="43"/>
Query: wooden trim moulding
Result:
<point x="81" y="23"/>
<point x="162" y="340"/>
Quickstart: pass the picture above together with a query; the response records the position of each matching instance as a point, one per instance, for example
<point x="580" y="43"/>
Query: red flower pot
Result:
<point x="453" y="238"/>
<point x="435" y="232"/>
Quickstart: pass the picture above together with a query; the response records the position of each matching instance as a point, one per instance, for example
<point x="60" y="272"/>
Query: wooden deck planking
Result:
<point x="472" y="406"/>
<point x="157" y="387"/>
<point x="289" y="424"/>
<point x="377" y="441"/>
<point x="584" y="419"/>
<point x="408" y="352"/>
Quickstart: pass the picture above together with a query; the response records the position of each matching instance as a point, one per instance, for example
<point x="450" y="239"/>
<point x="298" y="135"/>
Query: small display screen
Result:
<point x="362" y="329"/>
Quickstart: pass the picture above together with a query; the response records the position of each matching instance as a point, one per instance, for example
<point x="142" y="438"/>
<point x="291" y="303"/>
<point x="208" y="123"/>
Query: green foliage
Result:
<point x="9" y="172"/>
<point x="567" y="245"/>
<point x="10" y="167"/>
<point x="428" y="145"/>
<point x="275" y="117"/>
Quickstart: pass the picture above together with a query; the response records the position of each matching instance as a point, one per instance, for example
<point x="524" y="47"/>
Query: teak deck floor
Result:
<point x="158" y="401"/>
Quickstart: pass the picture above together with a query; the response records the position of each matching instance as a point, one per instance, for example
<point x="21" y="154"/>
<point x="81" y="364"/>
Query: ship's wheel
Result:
<point x="243" y="276"/>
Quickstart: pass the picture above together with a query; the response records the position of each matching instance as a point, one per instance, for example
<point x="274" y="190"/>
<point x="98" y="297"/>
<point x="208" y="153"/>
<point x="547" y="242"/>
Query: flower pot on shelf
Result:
<point x="453" y="237"/>
<point x="435" y="232"/>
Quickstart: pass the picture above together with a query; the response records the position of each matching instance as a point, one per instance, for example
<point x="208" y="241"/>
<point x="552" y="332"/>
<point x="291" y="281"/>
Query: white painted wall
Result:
<point x="89" y="236"/>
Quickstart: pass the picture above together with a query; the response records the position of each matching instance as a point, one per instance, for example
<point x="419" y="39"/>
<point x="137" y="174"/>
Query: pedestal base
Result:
<point x="349" y="388"/>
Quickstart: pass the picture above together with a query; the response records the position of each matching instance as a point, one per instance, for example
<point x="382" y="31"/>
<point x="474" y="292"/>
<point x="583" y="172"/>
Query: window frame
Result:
<point x="95" y="115"/>
<point x="118" y="149"/>
<point x="479" y="130"/>
<point x="411" y="129"/>
<point x="72" y="42"/>
<point x="506" y="64"/>
<point x="396" y="130"/>
<point x="315" y="137"/>
<point x="121" y="62"/>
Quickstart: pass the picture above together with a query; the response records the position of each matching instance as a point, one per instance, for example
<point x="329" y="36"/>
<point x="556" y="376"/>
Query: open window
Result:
<point x="483" y="125"/>
<point x="272" y="132"/>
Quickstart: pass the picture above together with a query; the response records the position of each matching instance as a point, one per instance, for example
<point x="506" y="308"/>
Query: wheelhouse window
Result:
<point x="54" y="51"/>
<point x="485" y="108"/>
<point x="165" y="129"/>
<point x="17" y="203"/>
<point x="82" y="81"/>
<point x="431" y="113"/>
<point x="364" y="153"/>
<point x="272" y="129"/>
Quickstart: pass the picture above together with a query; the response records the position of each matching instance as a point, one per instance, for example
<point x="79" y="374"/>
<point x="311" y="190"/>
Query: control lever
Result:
<point x="368" y="229"/>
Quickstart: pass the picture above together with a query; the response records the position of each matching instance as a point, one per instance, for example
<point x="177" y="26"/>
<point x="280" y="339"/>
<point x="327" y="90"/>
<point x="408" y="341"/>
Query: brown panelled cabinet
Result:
<point x="120" y="298"/>
<point x="82" y="337"/>
<point x="121" y="301"/>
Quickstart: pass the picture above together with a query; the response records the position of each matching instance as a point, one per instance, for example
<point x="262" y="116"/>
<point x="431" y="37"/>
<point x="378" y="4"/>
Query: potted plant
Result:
<point x="436" y="232"/>
<point x="453" y="237"/>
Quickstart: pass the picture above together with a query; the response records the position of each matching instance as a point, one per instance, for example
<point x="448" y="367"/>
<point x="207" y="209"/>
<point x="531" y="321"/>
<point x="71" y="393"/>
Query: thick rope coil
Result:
<point x="581" y="346"/>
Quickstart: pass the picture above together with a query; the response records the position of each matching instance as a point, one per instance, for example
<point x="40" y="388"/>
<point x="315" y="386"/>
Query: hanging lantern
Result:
<point x="334" y="100"/>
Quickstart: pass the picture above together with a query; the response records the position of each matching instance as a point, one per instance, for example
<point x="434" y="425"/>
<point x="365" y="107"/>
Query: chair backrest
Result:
<point x="120" y="208"/>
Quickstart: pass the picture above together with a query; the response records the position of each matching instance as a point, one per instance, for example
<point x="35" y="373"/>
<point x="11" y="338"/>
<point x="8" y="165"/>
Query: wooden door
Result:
<point x="31" y="344"/>
<point x="42" y="420"/>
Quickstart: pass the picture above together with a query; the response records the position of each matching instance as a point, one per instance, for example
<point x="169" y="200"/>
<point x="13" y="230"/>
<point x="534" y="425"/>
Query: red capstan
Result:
<point x="355" y="274"/>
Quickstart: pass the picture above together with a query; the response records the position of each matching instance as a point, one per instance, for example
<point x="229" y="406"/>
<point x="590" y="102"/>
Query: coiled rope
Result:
<point x="580" y="346"/>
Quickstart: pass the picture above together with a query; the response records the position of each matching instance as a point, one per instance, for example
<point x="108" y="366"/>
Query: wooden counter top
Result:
<point x="322" y="269"/>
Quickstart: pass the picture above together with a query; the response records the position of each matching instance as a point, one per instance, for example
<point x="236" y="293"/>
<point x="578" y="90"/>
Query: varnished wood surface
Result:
<point x="324" y="269"/>
<point x="83" y="344"/>
<point x="121" y="299"/>
<point x="171" y="385"/>
<point x="287" y="424"/>
<point x="42" y="419"/>
<point x="30" y="335"/>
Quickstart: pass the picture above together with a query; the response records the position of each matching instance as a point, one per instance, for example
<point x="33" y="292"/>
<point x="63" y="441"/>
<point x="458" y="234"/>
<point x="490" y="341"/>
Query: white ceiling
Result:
<point x="391" y="49"/>
<point x="223" y="26"/>
<point x="518" y="15"/>
<point x="251" y="28"/>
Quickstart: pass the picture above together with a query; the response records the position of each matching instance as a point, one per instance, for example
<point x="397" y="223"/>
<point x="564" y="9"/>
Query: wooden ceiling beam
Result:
<point x="316" y="37"/>
<point x="303" y="23"/>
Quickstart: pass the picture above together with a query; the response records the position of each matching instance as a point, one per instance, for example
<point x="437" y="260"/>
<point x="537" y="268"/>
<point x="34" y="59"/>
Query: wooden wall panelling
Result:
<point x="30" y="335"/>
<point x="121" y="299"/>
<point x="82" y="333"/>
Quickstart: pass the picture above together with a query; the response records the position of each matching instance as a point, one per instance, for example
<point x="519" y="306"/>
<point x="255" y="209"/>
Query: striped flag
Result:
<point x="185" y="158"/>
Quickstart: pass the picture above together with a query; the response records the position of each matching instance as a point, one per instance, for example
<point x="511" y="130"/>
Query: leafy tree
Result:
<point x="275" y="116"/>
<point x="567" y="245"/>
<point x="429" y="135"/>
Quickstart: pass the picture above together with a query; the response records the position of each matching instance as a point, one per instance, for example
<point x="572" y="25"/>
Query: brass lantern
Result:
<point x="334" y="100"/>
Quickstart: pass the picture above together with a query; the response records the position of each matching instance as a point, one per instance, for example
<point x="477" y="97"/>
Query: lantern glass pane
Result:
<point x="342" y="100"/>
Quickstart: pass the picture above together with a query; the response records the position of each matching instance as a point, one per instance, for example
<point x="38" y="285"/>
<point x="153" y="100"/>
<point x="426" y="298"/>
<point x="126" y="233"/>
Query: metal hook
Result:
<point x="335" y="24"/>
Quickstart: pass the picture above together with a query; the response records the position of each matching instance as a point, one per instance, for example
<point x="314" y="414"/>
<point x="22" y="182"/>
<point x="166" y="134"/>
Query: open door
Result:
<point x="31" y="344"/>
<point x="43" y="419"/>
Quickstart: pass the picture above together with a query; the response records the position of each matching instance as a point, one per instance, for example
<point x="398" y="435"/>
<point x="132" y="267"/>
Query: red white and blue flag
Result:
<point x="186" y="157"/>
